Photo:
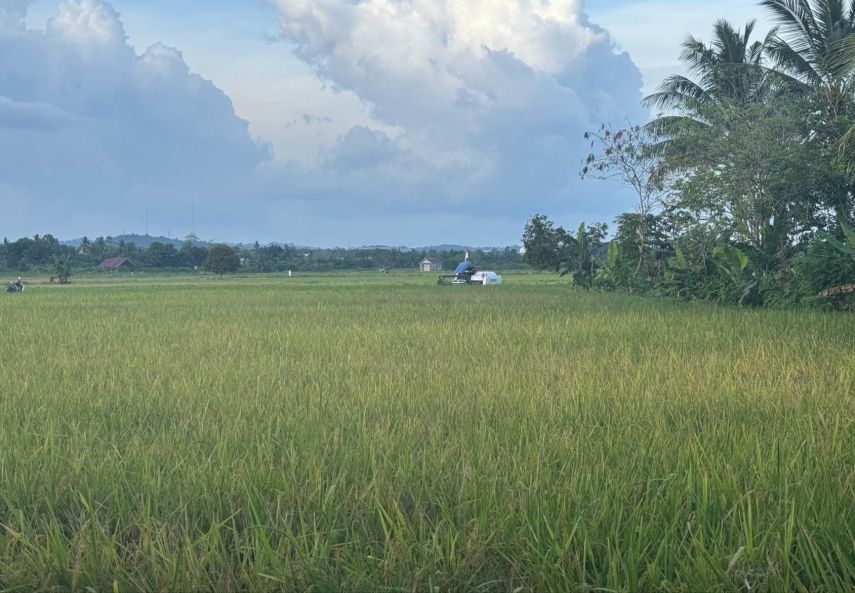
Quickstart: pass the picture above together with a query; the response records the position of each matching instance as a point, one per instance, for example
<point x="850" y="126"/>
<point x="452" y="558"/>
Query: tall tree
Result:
<point x="752" y="175"/>
<point x="730" y="68"/>
<point x="809" y="46"/>
<point x="546" y="246"/>
<point x="222" y="259"/>
<point x="816" y="51"/>
<point x="628" y="156"/>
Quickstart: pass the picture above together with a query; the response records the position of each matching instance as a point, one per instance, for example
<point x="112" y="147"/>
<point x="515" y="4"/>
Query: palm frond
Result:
<point x="675" y="91"/>
<point x="841" y="61"/>
<point x="796" y="19"/>
<point x="789" y="60"/>
<point x="846" y="153"/>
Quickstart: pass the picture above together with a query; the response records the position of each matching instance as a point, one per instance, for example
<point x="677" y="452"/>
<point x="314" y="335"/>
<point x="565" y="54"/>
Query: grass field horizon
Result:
<point x="379" y="432"/>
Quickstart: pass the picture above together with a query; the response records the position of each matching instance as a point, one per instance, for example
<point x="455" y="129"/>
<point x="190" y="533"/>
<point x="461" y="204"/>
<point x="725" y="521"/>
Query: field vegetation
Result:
<point x="383" y="433"/>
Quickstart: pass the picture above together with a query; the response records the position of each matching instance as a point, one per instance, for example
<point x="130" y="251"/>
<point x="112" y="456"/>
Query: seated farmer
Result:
<point x="464" y="269"/>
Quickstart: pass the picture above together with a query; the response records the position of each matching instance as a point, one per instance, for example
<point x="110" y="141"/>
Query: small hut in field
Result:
<point x="112" y="264"/>
<point x="430" y="264"/>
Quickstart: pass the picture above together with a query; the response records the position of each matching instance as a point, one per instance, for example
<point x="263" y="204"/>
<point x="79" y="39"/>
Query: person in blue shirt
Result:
<point x="464" y="269"/>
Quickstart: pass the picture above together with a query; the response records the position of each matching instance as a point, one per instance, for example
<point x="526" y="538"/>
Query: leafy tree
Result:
<point x="816" y="52"/>
<point x="162" y="255"/>
<point x="259" y="259"/>
<point x="546" y="246"/>
<point x="753" y="173"/>
<point x="847" y="245"/>
<point x="652" y="253"/>
<point x="222" y="259"/>
<point x="628" y="156"/>
<point x="192" y="255"/>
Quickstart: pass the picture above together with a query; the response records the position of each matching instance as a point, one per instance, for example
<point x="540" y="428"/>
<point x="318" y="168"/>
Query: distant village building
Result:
<point x="112" y="264"/>
<point x="430" y="264"/>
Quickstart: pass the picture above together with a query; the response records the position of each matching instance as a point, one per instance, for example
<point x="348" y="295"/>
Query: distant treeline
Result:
<point x="42" y="253"/>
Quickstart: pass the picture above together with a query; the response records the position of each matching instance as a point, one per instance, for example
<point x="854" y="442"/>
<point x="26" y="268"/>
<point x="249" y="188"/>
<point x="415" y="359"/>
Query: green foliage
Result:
<point x="581" y="264"/>
<point x="750" y="158"/>
<point x="822" y="266"/>
<point x="828" y="264"/>
<point x="683" y="276"/>
<point x="160" y="255"/>
<point x="740" y="284"/>
<point x="644" y="248"/>
<point x="607" y="271"/>
<point x="37" y="255"/>
<point x="552" y="248"/>
<point x="222" y="259"/>
<point x="546" y="246"/>
<point x="847" y="246"/>
<point x="62" y="268"/>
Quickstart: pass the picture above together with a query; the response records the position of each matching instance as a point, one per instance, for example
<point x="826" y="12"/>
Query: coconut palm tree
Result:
<point x="730" y="68"/>
<point x="729" y="72"/>
<point x="810" y="46"/>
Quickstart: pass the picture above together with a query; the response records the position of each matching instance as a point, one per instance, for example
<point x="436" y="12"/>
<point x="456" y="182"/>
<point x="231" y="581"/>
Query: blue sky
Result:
<point x="331" y="122"/>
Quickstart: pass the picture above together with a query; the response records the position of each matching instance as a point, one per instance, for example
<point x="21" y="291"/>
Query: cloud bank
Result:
<point x="476" y="114"/>
<point x="487" y="99"/>
<point x="95" y="134"/>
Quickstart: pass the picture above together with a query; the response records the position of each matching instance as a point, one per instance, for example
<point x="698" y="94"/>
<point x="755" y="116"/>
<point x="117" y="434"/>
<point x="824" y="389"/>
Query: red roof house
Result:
<point x="115" y="263"/>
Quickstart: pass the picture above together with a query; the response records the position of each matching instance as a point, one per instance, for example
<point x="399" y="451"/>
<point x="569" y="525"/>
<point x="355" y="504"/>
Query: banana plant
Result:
<point x="606" y="276"/>
<point x="733" y="266"/>
<point x="62" y="268"/>
<point x="580" y="265"/>
<point x="847" y="246"/>
<point x="678" y="271"/>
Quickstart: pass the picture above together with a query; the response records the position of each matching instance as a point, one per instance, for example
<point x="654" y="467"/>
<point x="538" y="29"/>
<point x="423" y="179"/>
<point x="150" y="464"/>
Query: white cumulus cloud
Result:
<point x="487" y="99"/>
<point x="462" y="117"/>
<point x="96" y="134"/>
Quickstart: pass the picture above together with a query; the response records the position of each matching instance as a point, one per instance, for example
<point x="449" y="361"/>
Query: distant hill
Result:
<point x="461" y="248"/>
<point x="139" y="240"/>
<point x="400" y="248"/>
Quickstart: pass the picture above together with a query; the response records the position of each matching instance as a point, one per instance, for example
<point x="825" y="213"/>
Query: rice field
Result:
<point x="381" y="433"/>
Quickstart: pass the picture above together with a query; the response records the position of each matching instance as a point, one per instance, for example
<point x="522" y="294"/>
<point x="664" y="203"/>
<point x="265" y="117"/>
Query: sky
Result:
<point x="323" y="122"/>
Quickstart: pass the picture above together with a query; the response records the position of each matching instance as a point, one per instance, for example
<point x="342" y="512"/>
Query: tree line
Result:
<point x="744" y="181"/>
<point x="46" y="254"/>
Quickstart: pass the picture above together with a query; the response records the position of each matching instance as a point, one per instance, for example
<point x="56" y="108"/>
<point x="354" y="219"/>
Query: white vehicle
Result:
<point x="486" y="278"/>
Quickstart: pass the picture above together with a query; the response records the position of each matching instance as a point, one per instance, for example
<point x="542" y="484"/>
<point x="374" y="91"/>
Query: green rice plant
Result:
<point x="383" y="433"/>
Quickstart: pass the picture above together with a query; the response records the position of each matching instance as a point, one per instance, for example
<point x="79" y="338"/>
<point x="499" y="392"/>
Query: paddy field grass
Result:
<point x="383" y="433"/>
